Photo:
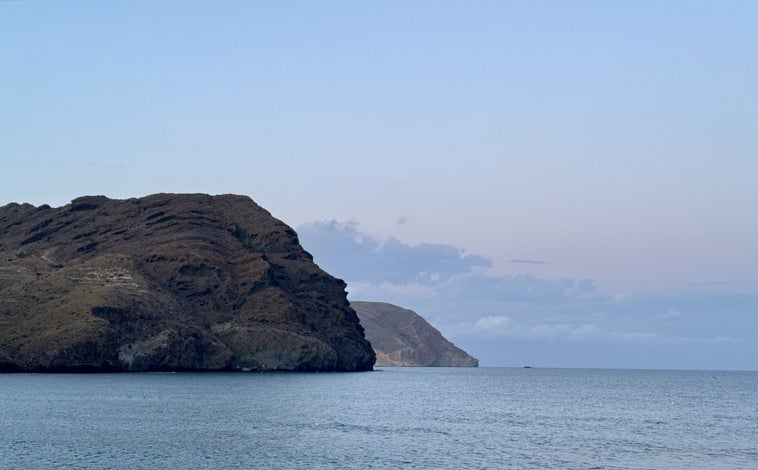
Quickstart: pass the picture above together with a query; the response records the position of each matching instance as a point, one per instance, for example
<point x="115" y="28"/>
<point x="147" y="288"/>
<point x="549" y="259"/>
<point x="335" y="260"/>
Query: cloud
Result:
<point x="528" y="261"/>
<point x="561" y="318"/>
<point x="402" y="221"/>
<point x="708" y="284"/>
<point x="386" y="290"/>
<point x="443" y="282"/>
<point x="504" y="327"/>
<point x="344" y="251"/>
<point x="672" y="314"/>
<point x="492" y="324"/>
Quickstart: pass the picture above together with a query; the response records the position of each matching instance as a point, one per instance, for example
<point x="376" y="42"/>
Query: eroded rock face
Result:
<point x="401" y="337"/>
<point x="167" y="282"/>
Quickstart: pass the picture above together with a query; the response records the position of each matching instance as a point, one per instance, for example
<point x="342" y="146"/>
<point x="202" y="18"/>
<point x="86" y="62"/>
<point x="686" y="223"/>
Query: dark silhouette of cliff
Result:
<point x="167" y="282"/>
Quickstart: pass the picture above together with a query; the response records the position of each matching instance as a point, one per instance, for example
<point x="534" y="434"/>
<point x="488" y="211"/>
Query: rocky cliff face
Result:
<point x="167" y="282"/>
<point x="401" y="337"/>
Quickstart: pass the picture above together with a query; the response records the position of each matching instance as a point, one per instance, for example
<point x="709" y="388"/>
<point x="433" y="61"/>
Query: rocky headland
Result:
<point x="167" y="282"/>
<point x="401" y="337"/>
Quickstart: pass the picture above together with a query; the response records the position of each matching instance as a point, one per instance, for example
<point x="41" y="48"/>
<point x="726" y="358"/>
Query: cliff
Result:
<point x="401" y="337"/>
<point x="167" y="282"/>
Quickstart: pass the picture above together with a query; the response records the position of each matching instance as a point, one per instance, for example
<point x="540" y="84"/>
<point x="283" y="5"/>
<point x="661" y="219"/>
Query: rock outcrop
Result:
<point x="401" y="337"/>
<point x="167" y="282"/>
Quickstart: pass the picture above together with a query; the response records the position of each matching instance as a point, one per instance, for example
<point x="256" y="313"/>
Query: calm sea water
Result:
<point x="391" y="418"/>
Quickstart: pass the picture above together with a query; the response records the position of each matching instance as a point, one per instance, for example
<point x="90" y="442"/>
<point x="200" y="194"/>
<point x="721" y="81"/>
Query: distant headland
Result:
<point x="401" y="337"/>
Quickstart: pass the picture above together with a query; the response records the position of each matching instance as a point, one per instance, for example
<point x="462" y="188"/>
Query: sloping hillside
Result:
<point x="401" y="337"/>
<point x="167" y="282"/>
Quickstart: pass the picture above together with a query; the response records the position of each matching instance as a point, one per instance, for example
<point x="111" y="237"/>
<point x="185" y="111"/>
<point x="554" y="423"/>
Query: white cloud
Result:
<point x="492" y="324"/>
<point x="504" y="327"/>
<point x="671" y="314"/>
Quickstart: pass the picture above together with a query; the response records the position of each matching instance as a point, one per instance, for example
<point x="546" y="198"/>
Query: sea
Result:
<point x="415" y="418"/>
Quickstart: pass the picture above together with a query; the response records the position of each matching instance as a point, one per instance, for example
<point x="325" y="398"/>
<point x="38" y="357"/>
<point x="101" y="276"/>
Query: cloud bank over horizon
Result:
<point x="521" y="318"/>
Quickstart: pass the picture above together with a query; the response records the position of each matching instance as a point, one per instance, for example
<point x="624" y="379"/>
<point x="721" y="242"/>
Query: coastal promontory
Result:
<point x="401" y="337"/>
<point x="167" y="282"/>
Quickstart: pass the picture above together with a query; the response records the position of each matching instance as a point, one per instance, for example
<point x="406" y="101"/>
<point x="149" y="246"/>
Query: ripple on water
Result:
<point x="404" y="418"/>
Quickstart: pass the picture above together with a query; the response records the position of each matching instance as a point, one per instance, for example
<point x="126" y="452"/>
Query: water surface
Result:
<point x="394" y="417"/>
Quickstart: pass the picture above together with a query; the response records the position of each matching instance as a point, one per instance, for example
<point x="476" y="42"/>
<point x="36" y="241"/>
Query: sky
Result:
<point x="549" y="183"/>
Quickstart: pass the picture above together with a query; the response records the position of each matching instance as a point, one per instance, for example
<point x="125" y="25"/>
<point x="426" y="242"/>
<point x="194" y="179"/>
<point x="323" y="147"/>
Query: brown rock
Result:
<point x="167" y="282"/>
<point x="401" y="337"/>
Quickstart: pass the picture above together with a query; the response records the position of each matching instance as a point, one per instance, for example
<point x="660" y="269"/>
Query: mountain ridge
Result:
<point x="167" y="282"/>
<point x="401" y="337"/>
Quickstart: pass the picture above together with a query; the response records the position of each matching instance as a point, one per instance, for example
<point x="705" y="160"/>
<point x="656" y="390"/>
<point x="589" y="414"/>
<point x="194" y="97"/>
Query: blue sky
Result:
<point x="552" y="183"/>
